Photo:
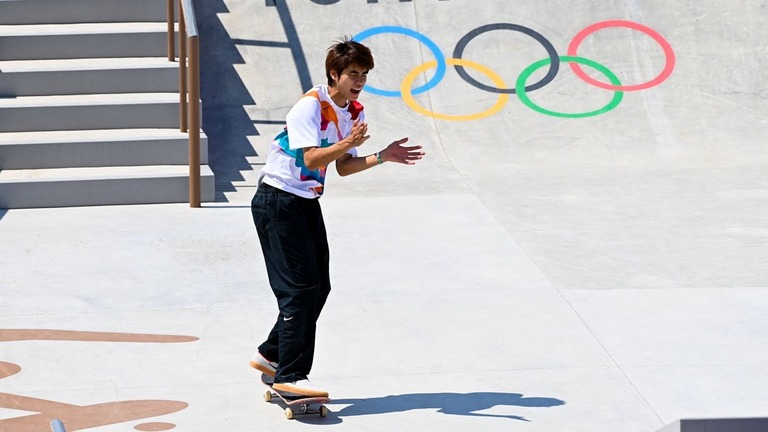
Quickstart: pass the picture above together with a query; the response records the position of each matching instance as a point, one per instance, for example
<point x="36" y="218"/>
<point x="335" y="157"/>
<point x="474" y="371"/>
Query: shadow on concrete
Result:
<point x="224" y="97"/>
<point x="3" y="213"/>
<point x="462" y="404"/>
<point x="294" y="43"/>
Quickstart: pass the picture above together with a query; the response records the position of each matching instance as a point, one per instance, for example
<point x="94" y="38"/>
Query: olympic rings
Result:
<point x="668" y="53"/>
<point x="439" y="74"/>
<point x="405" y="89"/>
<point x="532" y="68"/>
<point x="554" y="64"/>
<point x="440" y="64"/>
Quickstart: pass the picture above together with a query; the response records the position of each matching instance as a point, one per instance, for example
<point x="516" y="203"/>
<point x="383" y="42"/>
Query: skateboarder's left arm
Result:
<point x="395" y="152"/>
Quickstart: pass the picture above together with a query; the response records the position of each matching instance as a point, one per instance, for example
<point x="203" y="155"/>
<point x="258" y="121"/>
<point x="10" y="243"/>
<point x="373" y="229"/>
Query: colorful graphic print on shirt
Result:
<point x="327" y="116"/>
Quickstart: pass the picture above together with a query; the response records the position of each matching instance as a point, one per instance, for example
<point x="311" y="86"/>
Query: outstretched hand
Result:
<point x="397" y="152"/>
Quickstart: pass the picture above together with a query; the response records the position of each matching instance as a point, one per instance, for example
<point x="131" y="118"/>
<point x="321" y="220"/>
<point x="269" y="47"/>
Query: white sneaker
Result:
<point x="299" y="388"/>
<point x="262" y="364"/>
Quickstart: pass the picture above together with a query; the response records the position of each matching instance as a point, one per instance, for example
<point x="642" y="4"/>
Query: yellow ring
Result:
<point x="405" y="89"/>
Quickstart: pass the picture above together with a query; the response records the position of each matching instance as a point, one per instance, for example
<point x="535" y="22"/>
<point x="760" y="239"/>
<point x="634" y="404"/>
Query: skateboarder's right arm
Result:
<point x="320" y="157"/>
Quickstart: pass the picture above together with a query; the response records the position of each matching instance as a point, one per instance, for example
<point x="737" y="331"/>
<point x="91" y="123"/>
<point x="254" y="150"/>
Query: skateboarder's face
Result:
<point x="351" y="81"/>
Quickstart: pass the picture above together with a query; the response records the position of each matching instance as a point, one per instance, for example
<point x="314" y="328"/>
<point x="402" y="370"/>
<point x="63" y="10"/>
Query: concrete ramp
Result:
<point x="672" y="155"/>
<point x="587" y="254"/>
<point x="632" y="183"/>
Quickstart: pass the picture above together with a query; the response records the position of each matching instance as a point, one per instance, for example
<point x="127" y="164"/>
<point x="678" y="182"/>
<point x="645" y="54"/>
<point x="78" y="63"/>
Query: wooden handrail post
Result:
<point x="171" y="24"/>
<point x="183" y="89"/>
<point x="189" y="88"/>
<point x="194" y="121"/>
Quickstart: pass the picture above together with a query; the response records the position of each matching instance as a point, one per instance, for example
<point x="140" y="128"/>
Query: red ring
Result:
<point x="668" y="53"/>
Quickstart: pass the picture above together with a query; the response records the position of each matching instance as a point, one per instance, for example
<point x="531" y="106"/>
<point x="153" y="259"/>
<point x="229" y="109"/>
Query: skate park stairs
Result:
<point x="89" y="106"/>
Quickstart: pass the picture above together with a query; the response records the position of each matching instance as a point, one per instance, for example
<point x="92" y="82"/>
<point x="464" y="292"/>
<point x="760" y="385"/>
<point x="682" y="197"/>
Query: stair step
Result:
<point x="69" y="187"/>
<point x="88" y="76"/>
<point x="89" y="106"/>
<point x="89" y="40"/>
<point x="93" y="148"/>
<point x="80" y="11"/>
<point x="98" y="111"/>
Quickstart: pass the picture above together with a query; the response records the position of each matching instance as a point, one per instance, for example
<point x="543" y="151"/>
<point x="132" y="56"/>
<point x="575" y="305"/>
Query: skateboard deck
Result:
<point x="296" y="405"/>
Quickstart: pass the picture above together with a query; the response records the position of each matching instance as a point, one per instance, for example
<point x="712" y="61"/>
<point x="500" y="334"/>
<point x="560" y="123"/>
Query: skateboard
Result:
<point x="296" y="405"/>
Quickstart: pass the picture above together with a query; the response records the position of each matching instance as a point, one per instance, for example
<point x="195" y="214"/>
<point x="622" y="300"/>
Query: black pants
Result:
<point x="295" y="248"/>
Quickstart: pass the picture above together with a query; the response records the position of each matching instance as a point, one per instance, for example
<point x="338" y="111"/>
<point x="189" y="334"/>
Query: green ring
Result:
<point x="523" y="78"/>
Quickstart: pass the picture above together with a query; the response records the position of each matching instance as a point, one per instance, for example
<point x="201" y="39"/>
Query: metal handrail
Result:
<point x="189" y="86"/>
<point x="57" y="426"/>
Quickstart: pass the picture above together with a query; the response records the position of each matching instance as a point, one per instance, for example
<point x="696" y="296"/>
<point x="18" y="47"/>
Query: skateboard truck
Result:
<point x="313" y="405"/>
<point x="296" y="405"/>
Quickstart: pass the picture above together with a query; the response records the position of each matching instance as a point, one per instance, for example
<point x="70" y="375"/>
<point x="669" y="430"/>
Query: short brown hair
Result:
<point x="344" y="53"/>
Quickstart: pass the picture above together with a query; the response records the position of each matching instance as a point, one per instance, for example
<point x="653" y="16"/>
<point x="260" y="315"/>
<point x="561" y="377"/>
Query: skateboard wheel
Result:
<point x="323" y="411"/>
<point x="267" y="395"/>
<point x="288" y="413"/>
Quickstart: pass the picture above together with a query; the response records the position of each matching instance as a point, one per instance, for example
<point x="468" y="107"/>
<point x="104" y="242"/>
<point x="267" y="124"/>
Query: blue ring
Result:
<point x="441" y="64"/>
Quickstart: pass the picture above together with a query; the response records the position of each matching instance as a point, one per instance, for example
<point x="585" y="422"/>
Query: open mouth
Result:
<point x="355" y="91"/>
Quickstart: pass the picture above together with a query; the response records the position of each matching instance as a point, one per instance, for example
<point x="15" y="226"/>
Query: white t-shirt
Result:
<point x="315" y="121"/>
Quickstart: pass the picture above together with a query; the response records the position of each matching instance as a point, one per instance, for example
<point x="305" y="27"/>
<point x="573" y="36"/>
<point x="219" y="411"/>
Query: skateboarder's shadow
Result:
<point x="463" y="404"/>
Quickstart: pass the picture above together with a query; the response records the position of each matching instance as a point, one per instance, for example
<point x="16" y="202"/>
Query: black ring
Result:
<point x="554" y="66"/>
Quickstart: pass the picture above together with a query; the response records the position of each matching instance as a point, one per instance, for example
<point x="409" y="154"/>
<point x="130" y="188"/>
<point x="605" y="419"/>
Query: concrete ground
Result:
<point x="535" y="272"/>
